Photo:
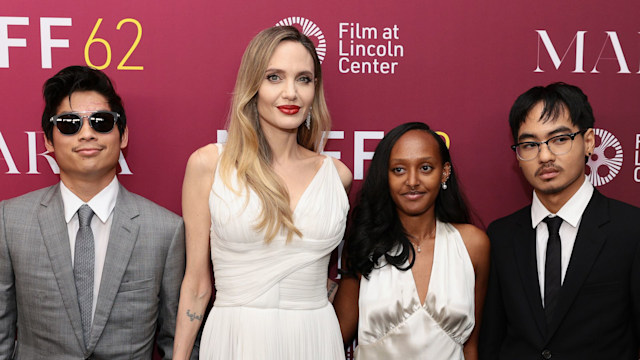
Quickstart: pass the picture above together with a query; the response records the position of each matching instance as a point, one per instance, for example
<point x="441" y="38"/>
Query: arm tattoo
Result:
<point x="194" y="316"/>
<point x="332" y="288"/>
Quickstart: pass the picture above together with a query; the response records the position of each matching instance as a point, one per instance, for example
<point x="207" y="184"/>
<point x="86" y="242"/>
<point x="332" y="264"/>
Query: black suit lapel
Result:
<point x="589" y="241"/>
<point x="525" y="252"/>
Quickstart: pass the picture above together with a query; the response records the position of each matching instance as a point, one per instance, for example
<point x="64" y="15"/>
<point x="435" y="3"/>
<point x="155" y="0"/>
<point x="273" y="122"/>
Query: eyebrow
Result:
<point x="280" y="71"/>
<point x="428" y="158"/>
<point x="557" y="131"/>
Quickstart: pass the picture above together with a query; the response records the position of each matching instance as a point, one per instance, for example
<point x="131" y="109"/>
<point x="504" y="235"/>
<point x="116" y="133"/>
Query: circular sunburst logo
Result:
<point x="311" y="30"/>
<point x="606" y="160"/>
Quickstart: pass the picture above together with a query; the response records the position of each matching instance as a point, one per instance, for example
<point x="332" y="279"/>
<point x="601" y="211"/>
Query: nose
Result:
<point x="289" y="92"/>
<point x="86" y="131"/>
<point x="412" y="178"/>
<point x="545" y="154"/>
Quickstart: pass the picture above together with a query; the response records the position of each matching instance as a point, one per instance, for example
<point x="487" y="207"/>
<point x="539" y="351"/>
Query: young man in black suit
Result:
<point x="565" y="270"/>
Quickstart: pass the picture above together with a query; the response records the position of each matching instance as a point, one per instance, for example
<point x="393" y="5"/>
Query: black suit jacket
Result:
<point x="597" y="315"/>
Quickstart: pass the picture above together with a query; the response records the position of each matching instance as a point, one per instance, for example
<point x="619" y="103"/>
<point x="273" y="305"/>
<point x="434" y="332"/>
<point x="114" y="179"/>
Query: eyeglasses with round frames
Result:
<point x="71" y="122"/>
<point x="558" y="145"/>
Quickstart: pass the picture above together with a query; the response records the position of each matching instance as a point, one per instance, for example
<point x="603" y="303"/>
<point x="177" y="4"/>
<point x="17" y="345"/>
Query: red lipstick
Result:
<point x="289" y="109"/>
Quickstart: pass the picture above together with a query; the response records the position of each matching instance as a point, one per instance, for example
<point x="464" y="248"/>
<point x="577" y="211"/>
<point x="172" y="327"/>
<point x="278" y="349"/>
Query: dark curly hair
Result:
<point x="375" y="228"/>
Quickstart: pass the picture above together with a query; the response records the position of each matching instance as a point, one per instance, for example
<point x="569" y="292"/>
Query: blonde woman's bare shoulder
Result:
<point x="345" y="174"/>
<point x="204" y="160"/>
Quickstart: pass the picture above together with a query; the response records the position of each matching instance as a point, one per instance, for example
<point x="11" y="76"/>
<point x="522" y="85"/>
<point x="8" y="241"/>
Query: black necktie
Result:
<point x="552" y="272"/>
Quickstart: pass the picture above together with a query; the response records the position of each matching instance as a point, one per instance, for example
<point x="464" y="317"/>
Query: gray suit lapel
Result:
<point x="589" y="241"/>
<point x="56" y="239"/>
<point x="123" y="236"/>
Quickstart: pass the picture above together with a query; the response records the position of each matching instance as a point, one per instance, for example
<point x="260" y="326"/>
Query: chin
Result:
<point x="555" y="187"/>
<point x="552" y="189"/>
<point x="414" y="212"/>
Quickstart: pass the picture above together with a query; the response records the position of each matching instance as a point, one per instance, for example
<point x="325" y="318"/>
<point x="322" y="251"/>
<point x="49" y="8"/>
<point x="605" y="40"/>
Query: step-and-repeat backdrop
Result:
<point x="456" y="65"/>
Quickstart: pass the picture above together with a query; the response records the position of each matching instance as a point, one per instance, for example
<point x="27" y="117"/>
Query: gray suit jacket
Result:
<point x="138" y="294"/>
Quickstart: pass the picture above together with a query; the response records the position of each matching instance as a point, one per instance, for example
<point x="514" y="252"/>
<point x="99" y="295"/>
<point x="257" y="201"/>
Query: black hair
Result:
<point x="375" y="228"/>
<point x="556" y="98"/>
<point x="78" y="78"/>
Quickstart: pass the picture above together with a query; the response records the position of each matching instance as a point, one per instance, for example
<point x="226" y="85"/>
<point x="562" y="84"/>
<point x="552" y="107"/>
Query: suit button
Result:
<point x="546" y="354"/>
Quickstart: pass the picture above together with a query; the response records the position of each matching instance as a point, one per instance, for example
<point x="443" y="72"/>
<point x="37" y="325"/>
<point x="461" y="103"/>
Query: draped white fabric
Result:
<point x="393" y="323"/>
<point x="271" y="300"/>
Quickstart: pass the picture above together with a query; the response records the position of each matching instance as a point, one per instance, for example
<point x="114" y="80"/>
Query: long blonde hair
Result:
<point x="248" y="151"/>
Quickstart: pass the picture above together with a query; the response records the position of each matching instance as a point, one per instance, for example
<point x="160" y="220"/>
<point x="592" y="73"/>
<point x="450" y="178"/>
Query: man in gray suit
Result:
<point x="87" y="269"/>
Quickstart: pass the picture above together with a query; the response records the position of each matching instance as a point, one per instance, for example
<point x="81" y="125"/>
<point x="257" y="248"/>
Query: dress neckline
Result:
<point x="433" y="267"/>
<point x="313" y="180"/>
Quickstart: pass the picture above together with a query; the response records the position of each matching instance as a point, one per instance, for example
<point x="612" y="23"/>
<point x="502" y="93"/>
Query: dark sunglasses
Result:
<point x="70" y="123"/>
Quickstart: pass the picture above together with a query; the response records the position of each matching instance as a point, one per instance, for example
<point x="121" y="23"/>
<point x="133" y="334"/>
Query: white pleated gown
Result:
<point x="271" y="300"/>
<point x="395" y="325"/>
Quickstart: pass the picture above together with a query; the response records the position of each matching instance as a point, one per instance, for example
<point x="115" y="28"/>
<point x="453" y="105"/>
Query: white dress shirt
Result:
<point x="571" y="214"/>
<point x="102" y="205"/>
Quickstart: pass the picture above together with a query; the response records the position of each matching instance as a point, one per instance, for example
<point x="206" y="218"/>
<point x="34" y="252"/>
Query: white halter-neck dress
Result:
<point x="271" y="300"/>
<point x="393" y="324"/>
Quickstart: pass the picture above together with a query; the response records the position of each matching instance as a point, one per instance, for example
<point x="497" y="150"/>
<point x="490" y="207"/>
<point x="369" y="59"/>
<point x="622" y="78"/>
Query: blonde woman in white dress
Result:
<point x="268" y="209"/>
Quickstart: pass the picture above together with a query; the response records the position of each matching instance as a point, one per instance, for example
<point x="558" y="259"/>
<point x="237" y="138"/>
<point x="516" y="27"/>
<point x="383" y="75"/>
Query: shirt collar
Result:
<point x="571" y="211"/>
<point x="102" y="203"/>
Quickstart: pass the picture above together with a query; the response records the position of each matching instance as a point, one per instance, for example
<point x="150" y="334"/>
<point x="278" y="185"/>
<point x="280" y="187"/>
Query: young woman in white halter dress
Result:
<point x="416" y="269"/>
<point x="268" y="210"/>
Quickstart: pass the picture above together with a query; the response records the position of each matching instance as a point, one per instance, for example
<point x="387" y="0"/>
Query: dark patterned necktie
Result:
<point x="84" y="260"/>
<point x="552" y="272"/>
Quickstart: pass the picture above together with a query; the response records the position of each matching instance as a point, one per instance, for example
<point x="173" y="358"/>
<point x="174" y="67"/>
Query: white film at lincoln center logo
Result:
<point x="606" y="160"/>
<point x="311" y="30"/>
